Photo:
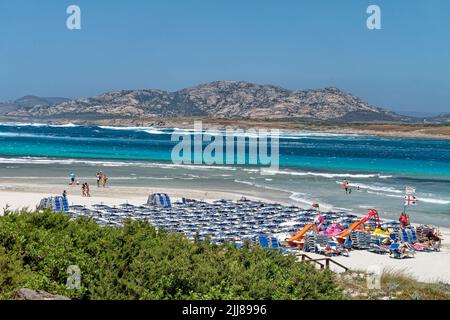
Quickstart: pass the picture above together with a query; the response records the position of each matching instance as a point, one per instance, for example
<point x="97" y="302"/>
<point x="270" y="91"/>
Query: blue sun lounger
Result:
<point x="264" y="241"/>
<point x="65" y="204"/>
<point x="377" y="247"/>
<point x="57" y="205"/>
<point x="404" y="237"/>
<point x="414" y="238"/>
<point x="395" y="252"/>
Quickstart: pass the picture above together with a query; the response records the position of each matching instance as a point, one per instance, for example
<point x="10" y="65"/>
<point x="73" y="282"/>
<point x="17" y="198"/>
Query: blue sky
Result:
<point x="172" y="44"/>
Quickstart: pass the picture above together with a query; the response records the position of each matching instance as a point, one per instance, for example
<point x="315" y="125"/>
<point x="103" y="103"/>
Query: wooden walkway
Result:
<point x="323" y="263"/>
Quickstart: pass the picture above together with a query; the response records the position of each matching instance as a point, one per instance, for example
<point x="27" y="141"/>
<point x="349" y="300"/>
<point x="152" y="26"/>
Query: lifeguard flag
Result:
<point x="410" y="201"/>
<point x="410" y="190"/>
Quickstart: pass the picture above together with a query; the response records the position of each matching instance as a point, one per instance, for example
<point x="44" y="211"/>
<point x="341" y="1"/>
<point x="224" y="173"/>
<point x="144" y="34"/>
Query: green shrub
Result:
<point x="140" y="262"/>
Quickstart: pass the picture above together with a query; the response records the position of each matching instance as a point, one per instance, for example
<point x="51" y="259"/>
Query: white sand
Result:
<point x="20" y="195"/>
<point x="426" y="267"/>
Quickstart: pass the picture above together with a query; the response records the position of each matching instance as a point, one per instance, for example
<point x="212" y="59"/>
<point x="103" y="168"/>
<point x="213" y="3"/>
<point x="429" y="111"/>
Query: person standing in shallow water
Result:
<point x="72" y="178"/>
<point x="345" y="185"/>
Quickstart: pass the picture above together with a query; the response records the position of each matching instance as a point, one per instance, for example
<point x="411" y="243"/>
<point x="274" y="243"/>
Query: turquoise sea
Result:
<point x="312" y="166"/>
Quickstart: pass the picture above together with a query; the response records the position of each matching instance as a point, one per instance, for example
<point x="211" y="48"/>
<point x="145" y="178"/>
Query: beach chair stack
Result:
<point x="55" y="204"/>
<point x="160" y="200"/>
<point x="321" y="244"/>
<point x="322" y="239"/>
<point x="65" y="204"/>
<point x="310" y="242"/>
<point x="60" y="204"/>
<point x="360" y="239"/>
<point x="46" y="203"/>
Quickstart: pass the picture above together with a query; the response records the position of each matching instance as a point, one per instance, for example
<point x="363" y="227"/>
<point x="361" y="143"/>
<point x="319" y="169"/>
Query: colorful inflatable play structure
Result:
<point x="326" y="236"/>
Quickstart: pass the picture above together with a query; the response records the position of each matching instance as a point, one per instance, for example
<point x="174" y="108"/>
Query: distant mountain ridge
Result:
<point x="443" y="118"/>
<point x="28" y="102"/>
<point x="219" y="99"/>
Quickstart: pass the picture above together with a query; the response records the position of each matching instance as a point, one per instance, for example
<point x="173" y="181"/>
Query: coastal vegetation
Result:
<point x="140" y="262"/>
<point x="395" y="285"/>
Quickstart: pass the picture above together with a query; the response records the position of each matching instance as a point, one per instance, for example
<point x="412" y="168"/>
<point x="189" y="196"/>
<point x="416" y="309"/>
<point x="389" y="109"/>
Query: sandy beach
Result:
<point x="24" y="195"/>
<point x="426" y="267"/>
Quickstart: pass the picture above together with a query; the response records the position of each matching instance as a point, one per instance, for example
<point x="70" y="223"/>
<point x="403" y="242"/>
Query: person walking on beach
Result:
<point x="83" y="190"/>
<point x="345" y="185"/>
<point x="104" y="180"/>
<point x="64" y="194"/>
<point x="72" y="178"/>
<point x="99" y="178"/>
<point x="86" y="190"/>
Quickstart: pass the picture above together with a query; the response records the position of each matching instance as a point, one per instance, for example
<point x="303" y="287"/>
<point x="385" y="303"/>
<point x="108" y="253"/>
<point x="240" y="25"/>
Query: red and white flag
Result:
<point x="410" y="200"/>
<point x="410" y="190"/>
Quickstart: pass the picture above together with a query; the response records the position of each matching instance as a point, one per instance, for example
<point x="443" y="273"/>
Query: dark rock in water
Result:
<point x="28" y="294"/>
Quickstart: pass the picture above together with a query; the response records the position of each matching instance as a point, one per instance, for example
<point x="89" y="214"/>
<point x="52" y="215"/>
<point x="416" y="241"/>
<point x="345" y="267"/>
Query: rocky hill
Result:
<point x="443" y="118"/>
<point x="220" y="99"/>
<point x="28" y="102"/>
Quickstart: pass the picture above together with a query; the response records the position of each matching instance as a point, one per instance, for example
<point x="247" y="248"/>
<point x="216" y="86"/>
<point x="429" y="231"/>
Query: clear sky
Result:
<point x="172" y="44"/>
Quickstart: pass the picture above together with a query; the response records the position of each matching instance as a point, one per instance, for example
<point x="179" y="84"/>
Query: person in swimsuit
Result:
<point x="345" y="185"/>
<point x="99" y="178"/>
